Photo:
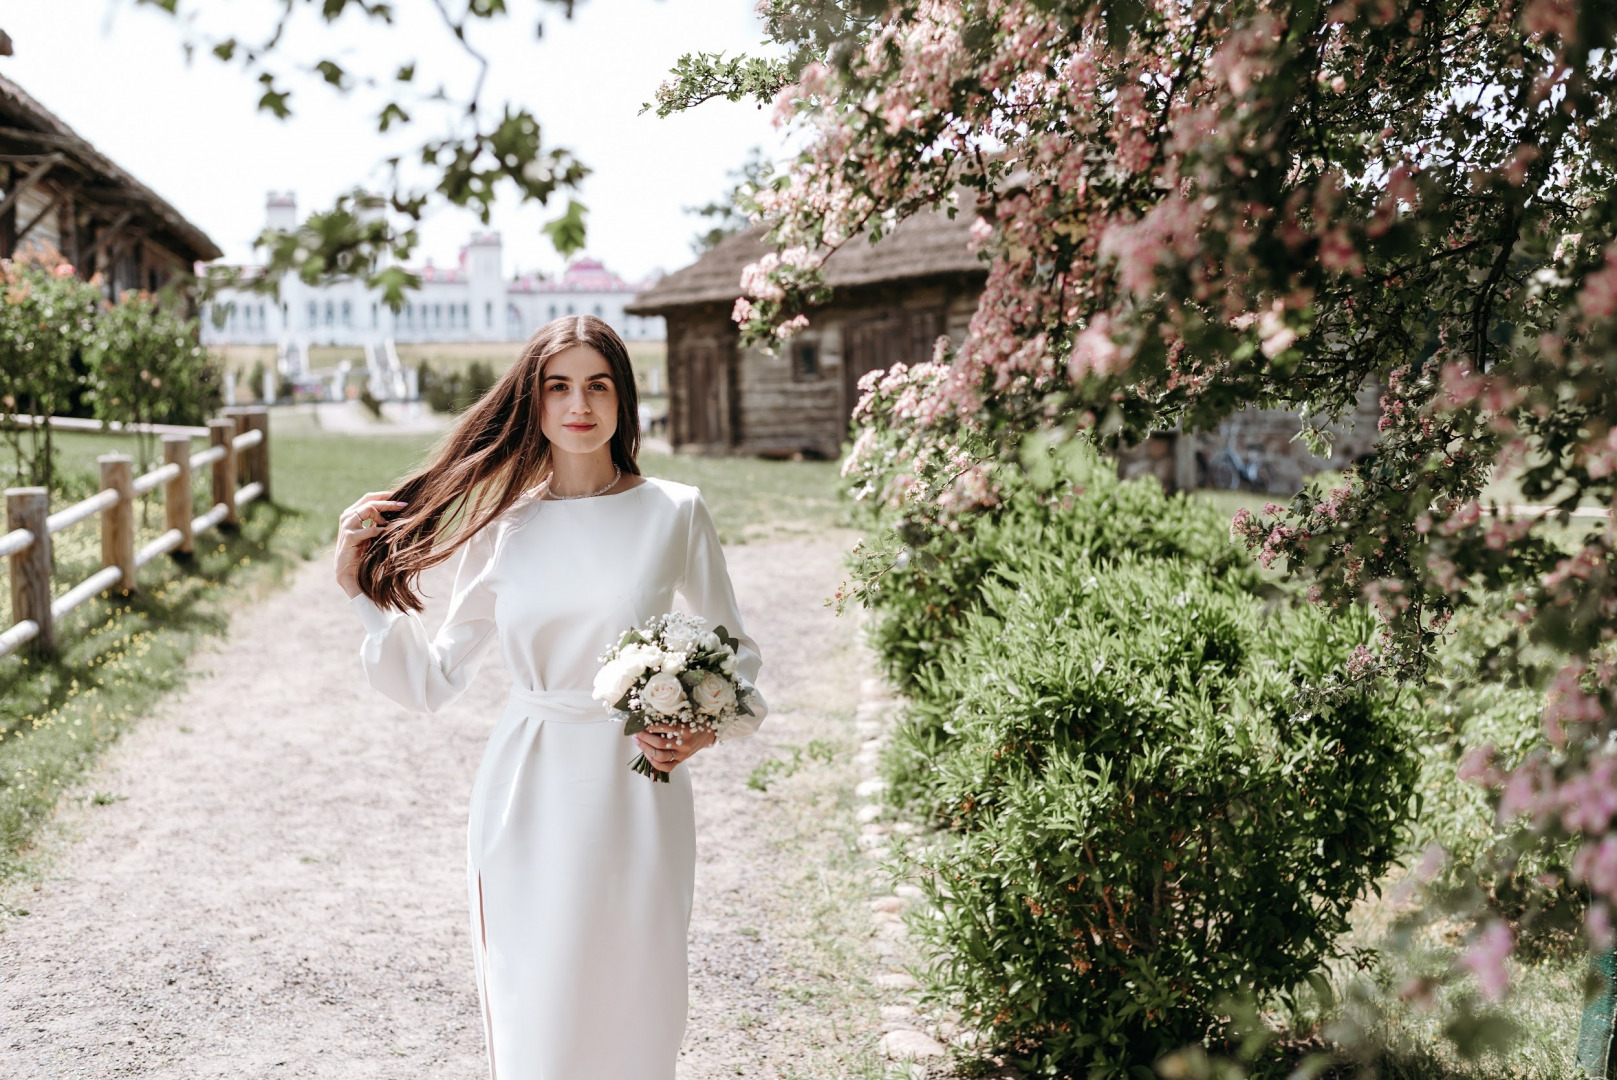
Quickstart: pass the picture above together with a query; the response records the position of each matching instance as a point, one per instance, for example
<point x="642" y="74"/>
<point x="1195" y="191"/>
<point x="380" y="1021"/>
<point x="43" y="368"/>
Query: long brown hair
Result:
<point x="489" y="458"/>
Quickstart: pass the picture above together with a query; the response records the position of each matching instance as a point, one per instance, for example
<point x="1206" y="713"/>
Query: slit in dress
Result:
<point x="482" y="970"/>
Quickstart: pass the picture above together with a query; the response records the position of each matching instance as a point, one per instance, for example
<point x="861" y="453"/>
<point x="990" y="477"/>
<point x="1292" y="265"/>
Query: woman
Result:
<point x="579" y="870"/>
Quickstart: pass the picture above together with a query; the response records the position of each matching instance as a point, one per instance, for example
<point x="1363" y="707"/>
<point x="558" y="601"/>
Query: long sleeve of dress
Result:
<point x="707" y="589"/>
<point x="422" y="674"/>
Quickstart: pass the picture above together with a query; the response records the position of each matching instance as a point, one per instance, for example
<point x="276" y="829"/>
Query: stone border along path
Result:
<point x="270" y="878"/>
<point x="906" y="1035"/>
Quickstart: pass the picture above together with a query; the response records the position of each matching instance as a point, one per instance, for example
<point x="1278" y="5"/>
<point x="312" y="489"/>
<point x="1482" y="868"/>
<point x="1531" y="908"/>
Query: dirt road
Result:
<point x="270" y="883"/>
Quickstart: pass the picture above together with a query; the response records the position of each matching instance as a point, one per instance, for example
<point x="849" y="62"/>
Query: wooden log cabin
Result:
<point x="890" y="302"/>
<point x="58" y="193"/>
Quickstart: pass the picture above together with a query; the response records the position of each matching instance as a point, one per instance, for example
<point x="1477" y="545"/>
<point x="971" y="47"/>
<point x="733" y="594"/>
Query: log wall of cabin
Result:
<point x="702" y="379"/>
<point x="784" y="410"/>
<point x="724" y="398"/>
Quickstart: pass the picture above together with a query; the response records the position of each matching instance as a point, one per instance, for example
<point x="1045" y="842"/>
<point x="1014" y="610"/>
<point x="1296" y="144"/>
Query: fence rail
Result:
<point x="238" y="450"/>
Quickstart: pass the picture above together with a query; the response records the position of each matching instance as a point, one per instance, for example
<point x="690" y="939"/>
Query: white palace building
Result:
<point x="471" y="301"/>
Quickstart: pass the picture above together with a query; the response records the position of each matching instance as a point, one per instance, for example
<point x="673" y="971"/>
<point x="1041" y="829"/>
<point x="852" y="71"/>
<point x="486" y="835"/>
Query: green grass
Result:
<point x="752" y="498"/>
<point x="1544" y="1005"/>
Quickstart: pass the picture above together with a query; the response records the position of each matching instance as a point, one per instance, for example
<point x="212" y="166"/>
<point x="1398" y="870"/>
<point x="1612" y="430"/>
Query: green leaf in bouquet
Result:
<point x="622" y="704"/>
<point x="691" y="678"/>
<point x="634" y="724"/>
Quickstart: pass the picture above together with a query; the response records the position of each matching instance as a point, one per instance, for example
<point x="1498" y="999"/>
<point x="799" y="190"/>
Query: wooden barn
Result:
<point x="890" y="302"/>
<point x="58" y="193"/>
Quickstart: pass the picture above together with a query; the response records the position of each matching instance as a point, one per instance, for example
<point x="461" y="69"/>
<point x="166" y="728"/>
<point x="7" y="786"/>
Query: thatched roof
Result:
<point x="928" y="244"/>
<point x="26" y="122"/>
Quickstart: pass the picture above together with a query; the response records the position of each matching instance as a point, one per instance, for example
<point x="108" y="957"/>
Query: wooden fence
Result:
<point x="239" y="449"/>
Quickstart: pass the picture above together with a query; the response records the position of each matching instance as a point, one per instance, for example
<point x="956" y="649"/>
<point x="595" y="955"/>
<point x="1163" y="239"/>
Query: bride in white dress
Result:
<point x="579" y="870"/>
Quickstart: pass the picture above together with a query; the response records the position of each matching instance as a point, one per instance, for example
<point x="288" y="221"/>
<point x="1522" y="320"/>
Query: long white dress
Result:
<point x="579" y="870"/>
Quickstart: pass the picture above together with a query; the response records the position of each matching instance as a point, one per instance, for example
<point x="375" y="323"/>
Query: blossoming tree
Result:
<point x="1189" y="207"/>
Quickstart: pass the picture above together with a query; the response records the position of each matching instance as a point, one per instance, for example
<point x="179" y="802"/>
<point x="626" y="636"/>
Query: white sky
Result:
<point x="116" y="73"/>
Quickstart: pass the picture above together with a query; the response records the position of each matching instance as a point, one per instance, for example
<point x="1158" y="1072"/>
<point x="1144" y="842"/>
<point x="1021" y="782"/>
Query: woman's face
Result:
<point x="580" y="401"/>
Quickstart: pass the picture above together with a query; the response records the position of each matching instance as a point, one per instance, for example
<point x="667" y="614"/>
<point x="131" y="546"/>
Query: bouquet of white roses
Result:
<point x="673" y="672"/>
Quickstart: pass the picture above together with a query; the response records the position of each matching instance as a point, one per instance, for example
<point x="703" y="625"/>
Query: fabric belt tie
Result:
<point x="559" y="706"/>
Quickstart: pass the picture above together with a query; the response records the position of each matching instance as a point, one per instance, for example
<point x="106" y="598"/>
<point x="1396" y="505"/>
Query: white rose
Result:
<point x="713" y="694"/>
<point x="663" y="694"/>
<point x="673" y="662"/>
<point x="614" y="680"/>
<point x="681" y="638"/>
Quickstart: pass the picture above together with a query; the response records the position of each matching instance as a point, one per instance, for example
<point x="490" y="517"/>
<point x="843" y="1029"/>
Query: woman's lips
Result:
<point x="578" y="427"/>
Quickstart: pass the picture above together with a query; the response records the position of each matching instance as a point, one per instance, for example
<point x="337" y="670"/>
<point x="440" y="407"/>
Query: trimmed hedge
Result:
<point x="1141" y="816"/>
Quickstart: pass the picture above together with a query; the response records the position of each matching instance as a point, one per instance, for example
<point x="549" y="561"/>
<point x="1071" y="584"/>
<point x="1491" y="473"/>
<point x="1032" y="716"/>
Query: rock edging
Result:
<point x="907" y="1036"/>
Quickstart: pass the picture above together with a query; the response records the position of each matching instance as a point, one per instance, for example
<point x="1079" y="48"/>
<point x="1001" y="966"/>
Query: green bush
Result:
<point x="929" y="581"/>
<point x="47" y="321"/>
<point x="927" y="589"/>
<point x="1489" y="867"/>
<point x="454" y="391"/>
<point x="146" y="365"/>
<point x="1144" y="818"/>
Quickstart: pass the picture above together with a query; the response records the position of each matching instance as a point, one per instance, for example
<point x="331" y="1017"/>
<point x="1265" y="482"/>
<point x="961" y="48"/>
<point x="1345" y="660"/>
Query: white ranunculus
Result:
<point x="673" y="662"/>
<point x="713" y="694"/>
<point x="711" y="642"/>
<point x="614" y="680"/>
<point x="728" y="664"/>
<point x="663" y="693"/>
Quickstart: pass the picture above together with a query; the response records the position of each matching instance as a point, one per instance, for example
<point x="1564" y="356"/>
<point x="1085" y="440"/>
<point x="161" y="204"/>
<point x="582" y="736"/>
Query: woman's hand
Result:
<point x="657" y="742"/>
<point x="355" y="528"/>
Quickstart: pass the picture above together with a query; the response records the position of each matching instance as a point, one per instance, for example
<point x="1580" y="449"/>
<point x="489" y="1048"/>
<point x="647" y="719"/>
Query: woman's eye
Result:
<point x="602" y="387"/>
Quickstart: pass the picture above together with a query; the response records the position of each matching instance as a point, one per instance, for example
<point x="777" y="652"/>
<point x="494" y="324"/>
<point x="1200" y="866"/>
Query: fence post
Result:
<point x="256" y="418"/>
<point x="118" y="521"/>
<point x="27" y="508"/>
<point x="220" y="433"/>
<point x="178" y="504"/>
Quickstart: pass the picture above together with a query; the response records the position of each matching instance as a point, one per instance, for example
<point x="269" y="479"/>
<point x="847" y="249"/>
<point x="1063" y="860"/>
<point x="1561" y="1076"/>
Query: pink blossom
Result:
<point x="1095" y="353"/>
<point x="1485" y="958"/>
<point x="981" y="231"/>
<point x="791" y="326"/>
<point x="1556" y="17"/>
<point x="1477" y="766"/>
<point x="1597" y="925"/>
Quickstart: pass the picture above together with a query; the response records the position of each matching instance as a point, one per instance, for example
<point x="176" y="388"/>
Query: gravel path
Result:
<point x="276" y="889"/>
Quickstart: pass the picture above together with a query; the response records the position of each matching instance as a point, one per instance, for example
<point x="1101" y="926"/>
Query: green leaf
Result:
<point x="332" y="73"/>
<point x="392" y="113"/>
<point x="567" y="232"/>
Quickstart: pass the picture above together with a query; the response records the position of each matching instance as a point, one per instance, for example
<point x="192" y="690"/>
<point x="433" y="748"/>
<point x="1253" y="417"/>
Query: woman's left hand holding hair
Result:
<point x="355" y="528"/>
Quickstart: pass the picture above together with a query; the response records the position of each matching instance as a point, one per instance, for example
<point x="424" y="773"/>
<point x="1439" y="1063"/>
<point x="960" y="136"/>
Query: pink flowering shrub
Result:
<point x="1188" y="208"/>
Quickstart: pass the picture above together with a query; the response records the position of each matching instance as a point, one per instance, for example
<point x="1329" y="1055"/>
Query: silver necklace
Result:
<point x="617" y="474"/>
